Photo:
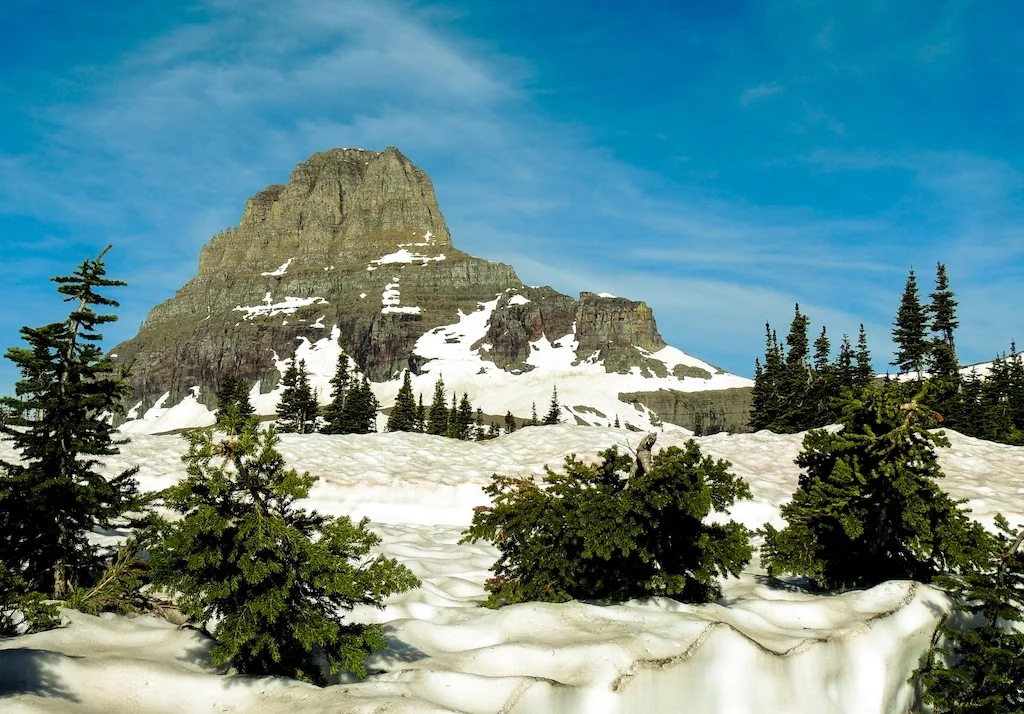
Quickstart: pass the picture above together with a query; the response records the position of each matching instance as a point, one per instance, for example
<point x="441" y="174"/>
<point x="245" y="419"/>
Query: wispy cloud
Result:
<point x="761" y="91"/>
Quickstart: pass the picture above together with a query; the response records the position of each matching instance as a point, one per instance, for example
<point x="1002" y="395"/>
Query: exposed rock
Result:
<point x="714" y="410"/>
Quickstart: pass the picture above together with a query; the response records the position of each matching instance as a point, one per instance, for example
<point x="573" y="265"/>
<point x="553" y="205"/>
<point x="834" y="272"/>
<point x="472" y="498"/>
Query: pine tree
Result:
<point x="533" y="414"/>
<point x="942" y="310"/>
<point x="824" y="387"/>
<point x="360" y="413"/>
<point x="493" y="431"/>
<point x="868" y="508"/>
<point x="766" y="409"/>
<point x="510" y="422"/>
<point x="233" y="394"/>
<point x="437" y="417"/>
<point x="453" y="419"/>
<point x="617" y="425"/>
<point x="340" y="383"/>
<point x="277" y="578"/>
<point x="843" y="368"/>
<point x="480" y="432"/>
<point x="297" y="409"/>
<point x="403" y="414"/>
<point x="908" y="332"/>
<point x="554" y="410"/>
<point x="865" y="375"/>
<point x="421" y="416"/>
<point x="592" y="533"/>
<point x="54" y="497"/>
<point x="979" y="669"/>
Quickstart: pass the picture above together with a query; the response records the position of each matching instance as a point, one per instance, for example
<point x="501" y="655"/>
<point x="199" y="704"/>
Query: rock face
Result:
<point x="703" y="412"/>
<point x="355" y="245"/>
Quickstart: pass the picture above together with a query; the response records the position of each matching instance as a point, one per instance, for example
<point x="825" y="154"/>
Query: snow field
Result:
<point x="761" y="649"/>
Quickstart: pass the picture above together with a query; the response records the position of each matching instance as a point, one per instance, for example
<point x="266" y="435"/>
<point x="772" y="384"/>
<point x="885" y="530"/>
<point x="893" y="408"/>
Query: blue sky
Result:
<point x="720" y="161"/>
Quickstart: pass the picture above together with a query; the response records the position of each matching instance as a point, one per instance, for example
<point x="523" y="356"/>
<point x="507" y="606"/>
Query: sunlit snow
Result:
<point x="269" y="308"/>
<point x="760" y="650"/>
<point x="281" y="269"/>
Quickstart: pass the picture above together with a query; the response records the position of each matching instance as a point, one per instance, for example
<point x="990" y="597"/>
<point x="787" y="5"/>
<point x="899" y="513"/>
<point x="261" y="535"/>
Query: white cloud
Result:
<point x="761" y="91"/>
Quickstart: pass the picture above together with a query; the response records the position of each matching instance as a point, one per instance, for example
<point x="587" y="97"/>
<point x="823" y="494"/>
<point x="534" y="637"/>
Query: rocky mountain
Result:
<point x="353" y="253"/>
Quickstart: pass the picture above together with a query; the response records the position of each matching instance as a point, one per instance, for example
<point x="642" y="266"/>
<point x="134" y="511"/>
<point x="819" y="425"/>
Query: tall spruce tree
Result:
<point x="942" y="311"/>
<point x="479" y="430"/>
<point x="554" y="410"/>
<point x="421" y="416"/>
<point x="297" y="409"/>
<point x="453" y="419"/>
<point x="275" y="577"/>
<point x="464" y="418"/>
<point x="824" y="388"/>
<point x="437" y="416"/>
<point x="334" y="412"/>
<point x="909" y="331"/>
<point x="233" y="394"/>
<point x="865" y="375"/>
<point x="510" y="423"/>
<point x="867" y="508"/>
<point x="59" y="423"/>
<point x="845" y="372"/>
<point x="798" y="412"/>
<point x="360" y="413"/>
<point x="403" y="414"/>
<point x="767" y="397"/>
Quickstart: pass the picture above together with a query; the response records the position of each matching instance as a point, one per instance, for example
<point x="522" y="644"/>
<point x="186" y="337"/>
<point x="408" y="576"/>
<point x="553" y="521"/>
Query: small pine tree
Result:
<point x="421" y="416"/>
<point x="233" y="393"/>
<point x="942" y="310"/>
<point x="360" y="413"/>
<point x="868" y="508"/>
<point x="275" y="576"/>
<point x="334" y="412"/>
<point x="980" y="669"/>
<point x="22" y="611"/>
<point x="437" y="416"/>
<point x="533" y="414"/>
<point x="591" y="533"/>
<point x="908" y="332"/>
<point x="864" y="373"/>
<point x="843" y="368"/>
<point x="617" y="425"/>
<point x="297" y="409"/>
<point x="403" y="414"/>
<point x="767" y="397"/>
<point x="798" y="412"/>
<point x="480" y="432"/>
<point x="510" y="422"/>
<point x="452" y="432"/>
<point x="493" y="431"/>
<point x="54" y="497"/>
<point x="824" y="387"/>
<point x="554" y="410"/>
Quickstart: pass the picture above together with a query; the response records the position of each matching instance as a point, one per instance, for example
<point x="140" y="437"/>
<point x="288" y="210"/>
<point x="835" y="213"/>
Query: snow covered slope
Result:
<point x="587" y="392"/>
<point x="761" y="649"/>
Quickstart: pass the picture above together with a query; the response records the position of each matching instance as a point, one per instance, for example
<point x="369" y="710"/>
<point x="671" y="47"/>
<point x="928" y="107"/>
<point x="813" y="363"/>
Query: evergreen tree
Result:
<point x="334" y="412"/>
<point x="510" y="422"/>
<point x="233" y="394"/>
<point x="824" y="387"/>
<point x="437" y="417"/>
<point x="979" y="669"/>
<point x="59" y="423"/>
<point x="766" y="410"/>
<point x="421" y="416"/>
<point x="942" y="310"/>
<point x="591" y="533"/>
<point x="799" y="413"/>
<point x="617" y="425"/>
<point x="461" y="418"/>
<point x="845" y="373"/>
<point x="868" y="508"/>
<point x="478" y="425"/>
<point x="908" y="332"/>
<point x="493" y="431"/>
<point x="297" y="409"/>
<point x="554" y="410"/>
<point x="22" y="611"/>
<point x="452" y="432"/>
<point x="864" y="373"/>
<point x="276" y="577"/>
<point x="360" y="413"/>
<point x="533" y="414"/>
<point x="403" y="415"/>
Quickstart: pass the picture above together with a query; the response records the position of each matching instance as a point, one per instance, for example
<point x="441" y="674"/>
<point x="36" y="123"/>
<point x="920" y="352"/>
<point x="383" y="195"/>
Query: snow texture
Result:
<point x="281" y="269"/>
<point x="761" y="649"/>
<point x="269" y="308"/>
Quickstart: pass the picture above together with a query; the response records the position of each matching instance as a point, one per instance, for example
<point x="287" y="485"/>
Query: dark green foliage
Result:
<point x="463" y="418"/>
<point x="590" y="533"/>
<point x="868" y="508"/>
<point x="403" y="414"/>
<point x="119" y="587"/>
<point x="767" y="398"/>
<point x="554" y="410"/>
<point x="510" y="423"/>
<point x="437" y="416"/>
<point x="943" y="363"/>
<point x="23" y="611"/>
<point x="977" y="667"/>
<point x="360" y="413"/>
<point x="278" y="577"/>
<point x="233" y="393"/>
<point x="864" y="374"/>
<point x="533" y="415"/>
<point x="334" y="412"/>
<point x="843" y="369"/>
<point x="297" y="410"/>
<point x="909" y="331"/>
<point x="421" y="416"/>
<point x="59" y="424"/>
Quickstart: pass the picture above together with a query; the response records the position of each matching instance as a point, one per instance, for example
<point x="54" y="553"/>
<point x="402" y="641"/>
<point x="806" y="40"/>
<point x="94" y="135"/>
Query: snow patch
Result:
<point x="269" y="308"/>
<point x="281" y="269"/>
<point x="518" y="300"/>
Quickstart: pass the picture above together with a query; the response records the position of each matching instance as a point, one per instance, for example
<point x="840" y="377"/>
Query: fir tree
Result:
<point x="592" y="533"/>
<point x="452" y="432"/>
<point x="340" y="383"/>
<point x="421" y="416"/>
<point x="908" y="332"/>
<point x="798" y="413"/>
<point x="868" y="508"/>
<point x="533" y="414"/>
<point x="478" y="425"/>
<point x="824" y="387"/>
<point x="980" y="669"/>
<point x="297" y="409"/>
<point x="865" y="375"/>
<point x="617" y="425"/>
<point x="277" y="578"/>
<point x="360" y="413"/>
<point x="767" y="397"/>
<point x="554" y="410"/>
<point x="22" y="611"/>
<point x="233" y="394"/>
<point x="403" y="415"/>
<point x="510" y="422"/>
<point x="942" y="310"/>
<point x="437" y="417"/>
<point x="843" y="368"/>
<point x="493" y="431"/>
<point x="54" y="497"/>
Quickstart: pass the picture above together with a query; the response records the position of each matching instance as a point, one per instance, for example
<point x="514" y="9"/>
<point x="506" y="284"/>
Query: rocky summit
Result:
<point x="353" y="253"/>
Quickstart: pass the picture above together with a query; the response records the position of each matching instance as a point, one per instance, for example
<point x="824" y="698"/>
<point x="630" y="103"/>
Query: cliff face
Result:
<point x="356" y="240"/>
